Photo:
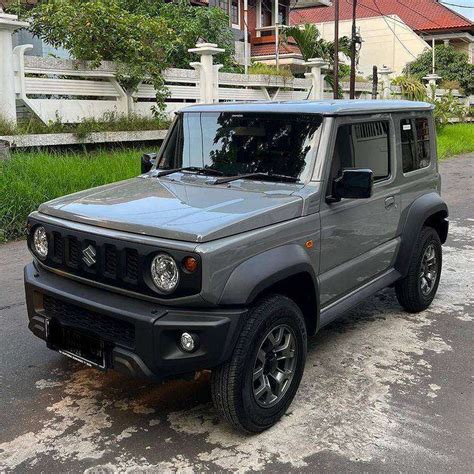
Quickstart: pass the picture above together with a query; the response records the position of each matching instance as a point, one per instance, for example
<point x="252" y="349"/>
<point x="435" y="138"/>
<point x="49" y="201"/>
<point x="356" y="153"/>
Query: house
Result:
<point x="265" y="21"/>
<point x="394" y="32"/>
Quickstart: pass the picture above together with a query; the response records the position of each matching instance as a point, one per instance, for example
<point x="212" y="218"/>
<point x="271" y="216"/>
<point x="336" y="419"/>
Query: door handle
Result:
<point x="389" y="202"/>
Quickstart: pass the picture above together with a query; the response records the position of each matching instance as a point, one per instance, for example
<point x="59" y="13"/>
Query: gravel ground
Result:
<point x="383" y="390"/>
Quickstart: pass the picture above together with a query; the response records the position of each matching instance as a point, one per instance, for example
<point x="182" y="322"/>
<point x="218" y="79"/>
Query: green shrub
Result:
<point x="410" y="87"/>
<point x="270" y="70"/>
<point x="28" y="179"/>
<point x="109" y="122"/>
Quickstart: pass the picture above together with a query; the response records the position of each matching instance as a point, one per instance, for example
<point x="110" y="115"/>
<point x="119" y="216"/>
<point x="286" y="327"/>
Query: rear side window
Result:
<point x="415" y="135"/>
<point x="362" y="145"/>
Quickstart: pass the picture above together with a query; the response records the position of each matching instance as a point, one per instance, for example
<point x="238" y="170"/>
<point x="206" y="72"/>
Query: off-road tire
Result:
<point x="232" y="382"/>
<point x="408" y="290"/>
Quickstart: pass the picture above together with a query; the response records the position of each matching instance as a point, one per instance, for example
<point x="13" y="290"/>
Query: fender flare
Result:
<point x="262" y="271"/>
<point x="421" y="209"/>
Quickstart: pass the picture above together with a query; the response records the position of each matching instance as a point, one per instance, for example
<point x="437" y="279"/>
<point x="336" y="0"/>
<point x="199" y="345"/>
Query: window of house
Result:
<point x="282" y="14"/>
<point x="415" y="139"/>
<point x="362" y="145"/>
<point x="232" y="8"/>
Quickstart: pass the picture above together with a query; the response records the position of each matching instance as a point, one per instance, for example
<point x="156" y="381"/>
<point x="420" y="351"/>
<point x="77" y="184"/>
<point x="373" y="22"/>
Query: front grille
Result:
<point x="113" y="262"/>
<point x="104" y="327"/>
<point x="114" y="265"/>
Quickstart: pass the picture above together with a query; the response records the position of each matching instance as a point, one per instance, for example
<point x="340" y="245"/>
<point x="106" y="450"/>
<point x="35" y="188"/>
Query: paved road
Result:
<point x="383" y="390"/>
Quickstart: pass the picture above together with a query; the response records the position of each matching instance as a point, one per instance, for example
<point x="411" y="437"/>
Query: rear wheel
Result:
<point x="253" y="390"/>
<point x="417" y="290"/>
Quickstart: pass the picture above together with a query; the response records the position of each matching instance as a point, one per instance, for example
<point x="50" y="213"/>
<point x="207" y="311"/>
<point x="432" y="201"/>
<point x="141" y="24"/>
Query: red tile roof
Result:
<point x="268" y="49"/>
<point x="420" y="15"/>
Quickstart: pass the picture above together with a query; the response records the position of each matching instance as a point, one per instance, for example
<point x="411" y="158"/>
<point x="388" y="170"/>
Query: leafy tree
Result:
<point x="143" y="37"/>
<point x="193" y="23"/>
<point x="451" y="65"/>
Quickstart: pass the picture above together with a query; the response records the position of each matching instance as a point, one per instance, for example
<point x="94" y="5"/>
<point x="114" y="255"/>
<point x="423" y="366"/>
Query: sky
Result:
<point x="467" y="12"/>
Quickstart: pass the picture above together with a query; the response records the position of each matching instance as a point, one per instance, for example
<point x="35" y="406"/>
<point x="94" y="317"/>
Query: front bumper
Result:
<point x="141" y="337"/>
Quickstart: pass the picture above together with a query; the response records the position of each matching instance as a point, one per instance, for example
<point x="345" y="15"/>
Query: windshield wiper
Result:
<point x="195" y="169"/>
<point x="262" y="176"/>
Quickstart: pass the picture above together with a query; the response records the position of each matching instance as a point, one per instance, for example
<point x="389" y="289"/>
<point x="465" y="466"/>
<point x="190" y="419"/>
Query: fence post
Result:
<point x="8" y="24"/>
<point x="316" y="76"/>
<point x="385" y="72"/>
<point x="431" y="84"/>
<point x="208" y="71"/>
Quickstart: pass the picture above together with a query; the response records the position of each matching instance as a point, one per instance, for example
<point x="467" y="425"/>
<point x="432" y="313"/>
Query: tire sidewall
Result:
<point x="286" y="314"/>
<point x="430" y="238"/>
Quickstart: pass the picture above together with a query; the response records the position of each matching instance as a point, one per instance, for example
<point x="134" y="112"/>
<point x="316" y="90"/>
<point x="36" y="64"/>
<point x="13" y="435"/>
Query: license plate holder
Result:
<point x="78" y="345"/>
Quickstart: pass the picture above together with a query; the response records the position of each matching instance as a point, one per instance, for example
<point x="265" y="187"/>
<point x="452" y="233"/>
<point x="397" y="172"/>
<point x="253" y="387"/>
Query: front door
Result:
<point x="359" y="236"/>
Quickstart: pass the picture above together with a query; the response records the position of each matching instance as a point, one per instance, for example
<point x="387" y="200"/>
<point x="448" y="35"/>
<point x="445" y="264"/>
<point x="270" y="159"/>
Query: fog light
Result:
<point x="189" y="342"/>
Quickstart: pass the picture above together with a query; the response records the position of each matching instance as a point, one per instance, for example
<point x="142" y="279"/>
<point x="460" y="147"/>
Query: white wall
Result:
<point x="380" y="46"/>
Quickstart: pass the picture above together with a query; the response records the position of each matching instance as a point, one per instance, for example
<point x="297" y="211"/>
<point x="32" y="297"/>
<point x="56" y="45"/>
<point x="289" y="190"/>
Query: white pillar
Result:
<point x="208" y="72"/>
<point x="384" y="73"/>
<point x="8" y="24"/>
<point x="317" y="77"/>
<point x="431" y="84"/>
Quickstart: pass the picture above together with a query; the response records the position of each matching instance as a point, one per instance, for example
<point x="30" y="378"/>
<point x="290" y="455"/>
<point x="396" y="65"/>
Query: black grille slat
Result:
<point x="132" y="264"/>
<point x="58" y="246"/>
<point x="110" y="261"/>
<point x="103" y="326"/>
<point x="73" y="252"/>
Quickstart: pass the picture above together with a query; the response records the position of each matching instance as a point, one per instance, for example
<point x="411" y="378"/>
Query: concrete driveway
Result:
<point x="383" y="390"/>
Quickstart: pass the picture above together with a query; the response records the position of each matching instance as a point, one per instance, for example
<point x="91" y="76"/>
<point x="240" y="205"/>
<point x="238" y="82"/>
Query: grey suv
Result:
<point x="257" y="225"/>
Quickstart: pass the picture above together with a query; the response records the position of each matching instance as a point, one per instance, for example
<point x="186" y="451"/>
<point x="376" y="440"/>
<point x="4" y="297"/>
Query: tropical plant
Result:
<point x="447" y="108"/>
<point x="451" y="65"/>
<point x="311" y="45"/>
<point x="410" y="88"/>
<point x="143" y="37"/>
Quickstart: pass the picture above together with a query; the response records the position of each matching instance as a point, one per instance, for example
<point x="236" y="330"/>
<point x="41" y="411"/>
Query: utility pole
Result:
<point x="353" y="51"/>
<point x="336" y="49"/>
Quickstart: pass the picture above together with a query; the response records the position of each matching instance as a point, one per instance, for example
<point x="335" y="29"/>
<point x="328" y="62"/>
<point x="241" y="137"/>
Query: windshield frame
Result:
<point x="304" y="178"/>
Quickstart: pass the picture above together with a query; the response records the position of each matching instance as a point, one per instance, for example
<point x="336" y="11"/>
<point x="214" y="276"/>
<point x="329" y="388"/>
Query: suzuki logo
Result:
<point x="88" y="255"/>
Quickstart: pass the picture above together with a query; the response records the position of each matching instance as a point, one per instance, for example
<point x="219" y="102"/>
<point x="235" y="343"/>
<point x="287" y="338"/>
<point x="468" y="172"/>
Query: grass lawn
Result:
<point x="455" y="139"/>
<point x="30" y="178"/>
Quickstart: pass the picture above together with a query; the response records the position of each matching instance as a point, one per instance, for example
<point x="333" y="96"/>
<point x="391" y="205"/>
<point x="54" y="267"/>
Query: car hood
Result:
<point x="195" y="211"/>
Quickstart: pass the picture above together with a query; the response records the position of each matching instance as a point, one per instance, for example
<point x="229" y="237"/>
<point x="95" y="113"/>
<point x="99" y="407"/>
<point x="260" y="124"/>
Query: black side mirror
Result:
<point x="352" y="184"/>
<point x="147" y="161"/>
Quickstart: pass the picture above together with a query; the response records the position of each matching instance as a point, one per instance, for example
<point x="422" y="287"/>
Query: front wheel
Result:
<point x="417" y="290"/>
<point x="253" y="390"/>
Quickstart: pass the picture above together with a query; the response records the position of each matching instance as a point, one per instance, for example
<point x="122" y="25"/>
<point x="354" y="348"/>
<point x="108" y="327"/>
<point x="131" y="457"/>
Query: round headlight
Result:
<point x="40" y="242"/>
<point x="164" y="273"/>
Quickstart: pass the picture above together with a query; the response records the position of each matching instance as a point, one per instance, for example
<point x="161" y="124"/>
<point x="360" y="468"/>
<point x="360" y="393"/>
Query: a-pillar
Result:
<point x="316" y="75"/>
<point x="208" y="71"/>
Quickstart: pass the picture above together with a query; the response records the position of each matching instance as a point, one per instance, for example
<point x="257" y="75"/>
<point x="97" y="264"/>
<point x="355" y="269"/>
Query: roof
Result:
<point x="422" y="15"/>
<point x="268" y="49"/>
<point x="322" y="107"/>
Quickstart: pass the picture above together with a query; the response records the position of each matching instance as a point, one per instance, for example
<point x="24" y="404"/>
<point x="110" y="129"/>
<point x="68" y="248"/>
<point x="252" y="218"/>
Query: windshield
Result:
<point x="242" y="143"/>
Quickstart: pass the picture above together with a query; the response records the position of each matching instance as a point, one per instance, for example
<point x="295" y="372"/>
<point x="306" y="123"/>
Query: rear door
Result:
<point x="359" y="236"/>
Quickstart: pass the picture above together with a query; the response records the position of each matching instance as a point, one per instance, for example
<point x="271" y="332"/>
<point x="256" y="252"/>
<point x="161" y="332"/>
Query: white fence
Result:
<point x="71" y="91"/>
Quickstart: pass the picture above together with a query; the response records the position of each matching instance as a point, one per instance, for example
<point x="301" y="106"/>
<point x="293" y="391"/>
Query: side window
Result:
<point x="415" y="135"/>
<point x="362" y="145"/>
